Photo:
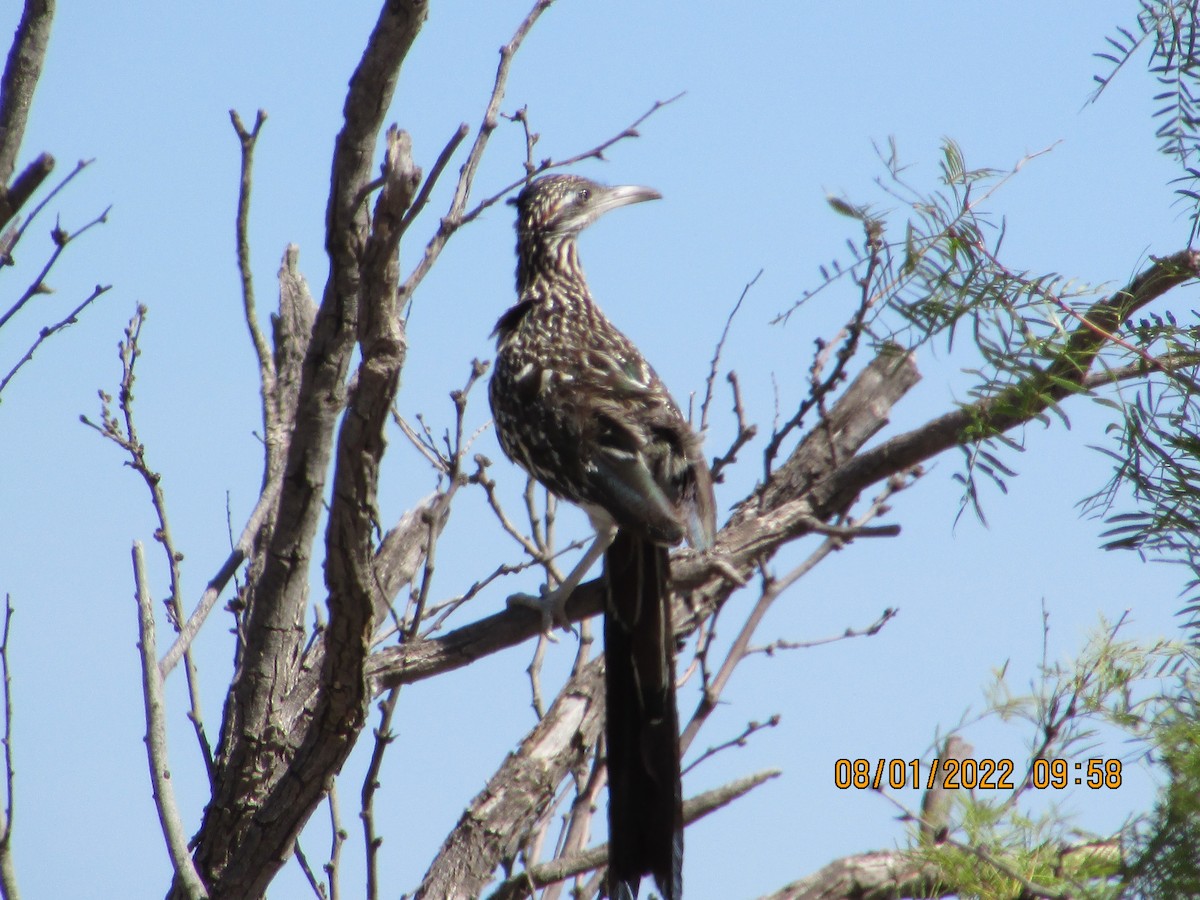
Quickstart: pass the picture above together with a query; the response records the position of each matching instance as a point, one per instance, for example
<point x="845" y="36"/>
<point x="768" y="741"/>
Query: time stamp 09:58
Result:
<point x="984" y="774"/>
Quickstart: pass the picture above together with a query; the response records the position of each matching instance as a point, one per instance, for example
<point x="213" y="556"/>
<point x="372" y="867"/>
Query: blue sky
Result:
<point x="784" y="102"/>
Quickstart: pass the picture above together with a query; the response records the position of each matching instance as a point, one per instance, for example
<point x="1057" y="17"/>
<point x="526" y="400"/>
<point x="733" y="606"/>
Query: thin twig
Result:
<point x="694" y="809"/>
<point x="61" y="239"/>
<point x="71" y="318"/>
<point x="739" y="741"/>
<point x="871" y="630"/>
<point x="239" y="554"/>
<point x="318" y="888"/>
<point x="773" y="588"/>
<point x="337" y="841"/>
<point x="125" y="435"/>
<point x="383" y="739"/>
<point x="8" y="875"/>
<point x="745" y="432"/>
<point x="45" y="201"/>
<point x="266" y="364"/>
<point x="716" y="360"/>
<point x="439" y="166"/>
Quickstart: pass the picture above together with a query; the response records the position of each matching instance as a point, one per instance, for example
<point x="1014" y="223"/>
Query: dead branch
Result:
<point x="50" y="330"/>
<point x="8" y="875"/>
<point x="22" y="70"/>
<point x="496" y="821"/>
<point x="123" y="432"/>
<point x="156" y="739"/>
<point x="694" y="809"/>
<point x="247" y="139"/>
<point x="716" y="360"/>
<point x="273" y="763"/>
<point x="61" y="239"/>
<point x="879" y="875"/>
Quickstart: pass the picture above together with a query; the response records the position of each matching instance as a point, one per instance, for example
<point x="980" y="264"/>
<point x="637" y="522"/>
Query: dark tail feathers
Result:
<point x="645" y="797"/>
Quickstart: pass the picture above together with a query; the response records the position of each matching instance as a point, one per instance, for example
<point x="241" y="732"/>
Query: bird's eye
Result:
<point x="583" y="195"/>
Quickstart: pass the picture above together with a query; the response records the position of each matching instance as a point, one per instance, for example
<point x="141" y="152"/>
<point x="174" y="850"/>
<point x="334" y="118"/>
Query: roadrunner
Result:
<point x="580" y="410"/>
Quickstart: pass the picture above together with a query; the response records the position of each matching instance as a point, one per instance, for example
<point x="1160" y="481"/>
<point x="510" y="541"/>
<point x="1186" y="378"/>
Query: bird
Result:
<point x="579" y="408"/>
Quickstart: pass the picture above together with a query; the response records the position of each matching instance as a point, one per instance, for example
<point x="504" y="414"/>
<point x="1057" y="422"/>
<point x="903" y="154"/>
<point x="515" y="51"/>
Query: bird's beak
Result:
<point x="623" y="195"/>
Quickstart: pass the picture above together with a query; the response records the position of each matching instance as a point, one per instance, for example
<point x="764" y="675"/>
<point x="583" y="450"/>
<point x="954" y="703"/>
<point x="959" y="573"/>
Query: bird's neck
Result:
<point x="545" y="261"/>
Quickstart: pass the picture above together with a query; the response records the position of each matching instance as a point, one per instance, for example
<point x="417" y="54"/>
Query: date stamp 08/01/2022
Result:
<point x="984" y="774"/>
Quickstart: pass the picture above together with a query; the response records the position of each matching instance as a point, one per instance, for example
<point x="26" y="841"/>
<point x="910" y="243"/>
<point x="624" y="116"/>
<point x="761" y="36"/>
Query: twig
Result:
<point x="241" y="551"/>
<point x="318" y="888"/>
<point x="383" y="739"/>
<point x="439" y="166"/>
<point x="156" y="738"/>
<point x="454" y="219"/>
<point x="266" y="364"/>
<point x="846" y="340"/>
<point x="8" y="875"/>
<point x="578" y="826"/>
<point x="773" y="588"/>
<point x="125" y="436"/>
<point x="870" y="631"/>
<point x="693" y="809"/>
<point x="42" y="204"/>
<point x="739" y="741"/>
<point x="534" y="670"/>
<point x="336" y="842"/>
<point x="745" y="432"/>
<point x="71" y="318"/>
<point x="61" y="239"/>
<point x="716" y="360"/>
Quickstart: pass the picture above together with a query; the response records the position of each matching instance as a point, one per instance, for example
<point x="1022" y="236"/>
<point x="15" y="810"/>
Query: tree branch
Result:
<point x="22" y="70"/>
<point x="275" y="761"/>
<point x="156" y="740"/>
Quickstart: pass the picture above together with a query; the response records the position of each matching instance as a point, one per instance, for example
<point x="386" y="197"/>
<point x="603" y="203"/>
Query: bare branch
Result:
<point x="22" y="188"/>
<point x="12" y="236"/>
<point x="879" y="875"/>
<point x="309" y="874"/>
<point x="156" y="739"/>
<point x="454" y="219"/>
<point x="716" y="360"/>
<point x="49" y="331"/>
<point x="241" y="550"/>
<point x="774" y="588"/>
<point x="61" y="239"/>
<point x="871" y="630"/>
<point x="22" y="70"/>
<point x="745" y="432"/>
<point x="337" y="840"/>
<point x="266" y="368"/>
<point x="263" y="734"/>
<point x="694" y="809"/>
<point x="431" y="179"/>
<point x="383" y="739"/>
<point x="9" y="888"/>
<point x="740" y="741"/>
<point x="123" y="432"/>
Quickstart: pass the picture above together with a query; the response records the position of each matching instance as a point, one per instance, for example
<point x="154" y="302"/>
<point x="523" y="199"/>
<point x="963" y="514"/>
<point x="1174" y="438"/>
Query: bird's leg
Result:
<point x="552" y="604"/>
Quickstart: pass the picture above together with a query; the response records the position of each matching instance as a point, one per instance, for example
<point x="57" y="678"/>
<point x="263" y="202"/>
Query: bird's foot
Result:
<point x="551" y="605"/>
<point x="725" y="566"/>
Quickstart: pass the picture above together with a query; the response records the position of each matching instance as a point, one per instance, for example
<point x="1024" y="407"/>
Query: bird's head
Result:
<point x="564" y="205"/>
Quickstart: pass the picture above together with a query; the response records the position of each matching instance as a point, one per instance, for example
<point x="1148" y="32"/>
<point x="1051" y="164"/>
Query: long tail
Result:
<point x="645" y="796"/>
